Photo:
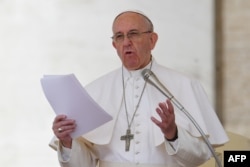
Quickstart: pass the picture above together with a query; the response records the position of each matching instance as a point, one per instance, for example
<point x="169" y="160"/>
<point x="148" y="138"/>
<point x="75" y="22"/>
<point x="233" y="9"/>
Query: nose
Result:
<point x="127" y="41"/>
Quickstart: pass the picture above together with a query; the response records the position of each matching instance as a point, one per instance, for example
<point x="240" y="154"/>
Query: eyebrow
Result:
<point x="128" y="31"/>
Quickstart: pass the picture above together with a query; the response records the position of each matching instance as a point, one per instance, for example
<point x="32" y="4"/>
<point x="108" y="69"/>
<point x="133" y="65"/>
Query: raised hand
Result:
<point x="167" y="123"/>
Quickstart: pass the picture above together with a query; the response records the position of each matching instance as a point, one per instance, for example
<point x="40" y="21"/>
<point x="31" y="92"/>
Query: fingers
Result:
<point x="167" y="107"/>
<point x="170" y="106"/>
<point x="166" y="112"/>
<point x="64" y="130"/>
<point x="158" y="123"/>
<point x="62" y="127"/>
<point x="59" y="118"/>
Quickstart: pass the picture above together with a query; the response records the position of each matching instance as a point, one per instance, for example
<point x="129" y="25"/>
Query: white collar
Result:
<point x="135" y="73"/>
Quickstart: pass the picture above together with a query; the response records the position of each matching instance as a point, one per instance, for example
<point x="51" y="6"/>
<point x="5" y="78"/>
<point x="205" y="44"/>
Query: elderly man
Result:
<point x="146" y="130"/>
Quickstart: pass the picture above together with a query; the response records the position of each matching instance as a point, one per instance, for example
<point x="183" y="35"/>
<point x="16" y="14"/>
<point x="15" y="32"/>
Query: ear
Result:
<point x="154" y="38"/>
<point x="114" y="45"/>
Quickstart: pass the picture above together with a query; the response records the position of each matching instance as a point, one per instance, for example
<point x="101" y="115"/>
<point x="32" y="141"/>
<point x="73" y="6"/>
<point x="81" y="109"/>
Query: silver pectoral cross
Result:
<point x="127" y="139"/>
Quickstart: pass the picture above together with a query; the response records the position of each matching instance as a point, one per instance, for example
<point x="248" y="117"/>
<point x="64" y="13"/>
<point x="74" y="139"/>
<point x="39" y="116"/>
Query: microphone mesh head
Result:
<point x="146" y="74"/>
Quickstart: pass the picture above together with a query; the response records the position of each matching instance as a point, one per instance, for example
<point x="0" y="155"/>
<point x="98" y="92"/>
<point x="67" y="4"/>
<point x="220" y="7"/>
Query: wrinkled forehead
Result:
<point x="138" y="13"/>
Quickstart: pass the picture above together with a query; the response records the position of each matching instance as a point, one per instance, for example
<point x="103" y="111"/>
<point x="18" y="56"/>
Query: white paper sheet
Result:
<point x="67" y="96"/>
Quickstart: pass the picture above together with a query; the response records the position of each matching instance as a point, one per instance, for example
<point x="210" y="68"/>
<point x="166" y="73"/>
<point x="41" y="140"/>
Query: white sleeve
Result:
<point x="79" y="155"/>
<point x="65" y="153"/>
<point x="188" y="150"/>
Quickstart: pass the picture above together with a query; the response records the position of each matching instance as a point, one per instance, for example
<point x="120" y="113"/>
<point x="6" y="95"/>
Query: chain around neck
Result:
<point x="124" y="97"/>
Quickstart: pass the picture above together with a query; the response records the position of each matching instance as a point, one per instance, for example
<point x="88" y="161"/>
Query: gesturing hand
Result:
<point x="62" y="127"/>
<point x="167" y="123"/>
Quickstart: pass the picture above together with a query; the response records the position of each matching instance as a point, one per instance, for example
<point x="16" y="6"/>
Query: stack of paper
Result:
<point x="67" y="96"/>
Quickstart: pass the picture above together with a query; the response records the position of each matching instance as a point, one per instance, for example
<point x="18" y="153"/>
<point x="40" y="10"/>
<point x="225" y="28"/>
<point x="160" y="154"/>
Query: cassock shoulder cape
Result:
<point x="107" y="92"/>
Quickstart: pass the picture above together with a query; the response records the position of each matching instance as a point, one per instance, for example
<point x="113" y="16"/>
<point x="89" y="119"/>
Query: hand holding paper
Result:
<point x="67" y="96"/>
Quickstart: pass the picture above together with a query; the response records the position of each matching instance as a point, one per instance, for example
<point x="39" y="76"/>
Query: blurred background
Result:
<point x="206" y="39"/>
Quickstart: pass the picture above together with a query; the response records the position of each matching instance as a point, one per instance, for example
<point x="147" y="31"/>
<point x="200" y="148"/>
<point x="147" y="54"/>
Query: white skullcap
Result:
<point x="138" y="12"/>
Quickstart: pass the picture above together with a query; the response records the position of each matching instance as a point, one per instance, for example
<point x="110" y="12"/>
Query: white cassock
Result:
<point x="149" y="147"/>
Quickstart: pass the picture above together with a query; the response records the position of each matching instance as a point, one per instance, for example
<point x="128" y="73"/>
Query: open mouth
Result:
<point x="128" y="52"/>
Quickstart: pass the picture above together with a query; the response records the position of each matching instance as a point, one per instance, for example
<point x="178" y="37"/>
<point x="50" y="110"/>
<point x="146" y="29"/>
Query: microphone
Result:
<point x="151" y="78"/>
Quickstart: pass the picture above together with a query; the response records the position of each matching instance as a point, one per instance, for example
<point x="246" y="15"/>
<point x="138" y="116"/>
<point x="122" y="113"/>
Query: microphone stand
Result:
<point x="146" y="74"/>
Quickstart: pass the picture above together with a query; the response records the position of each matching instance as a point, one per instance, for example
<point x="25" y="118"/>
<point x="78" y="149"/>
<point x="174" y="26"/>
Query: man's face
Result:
<point x="133" y="40"/>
